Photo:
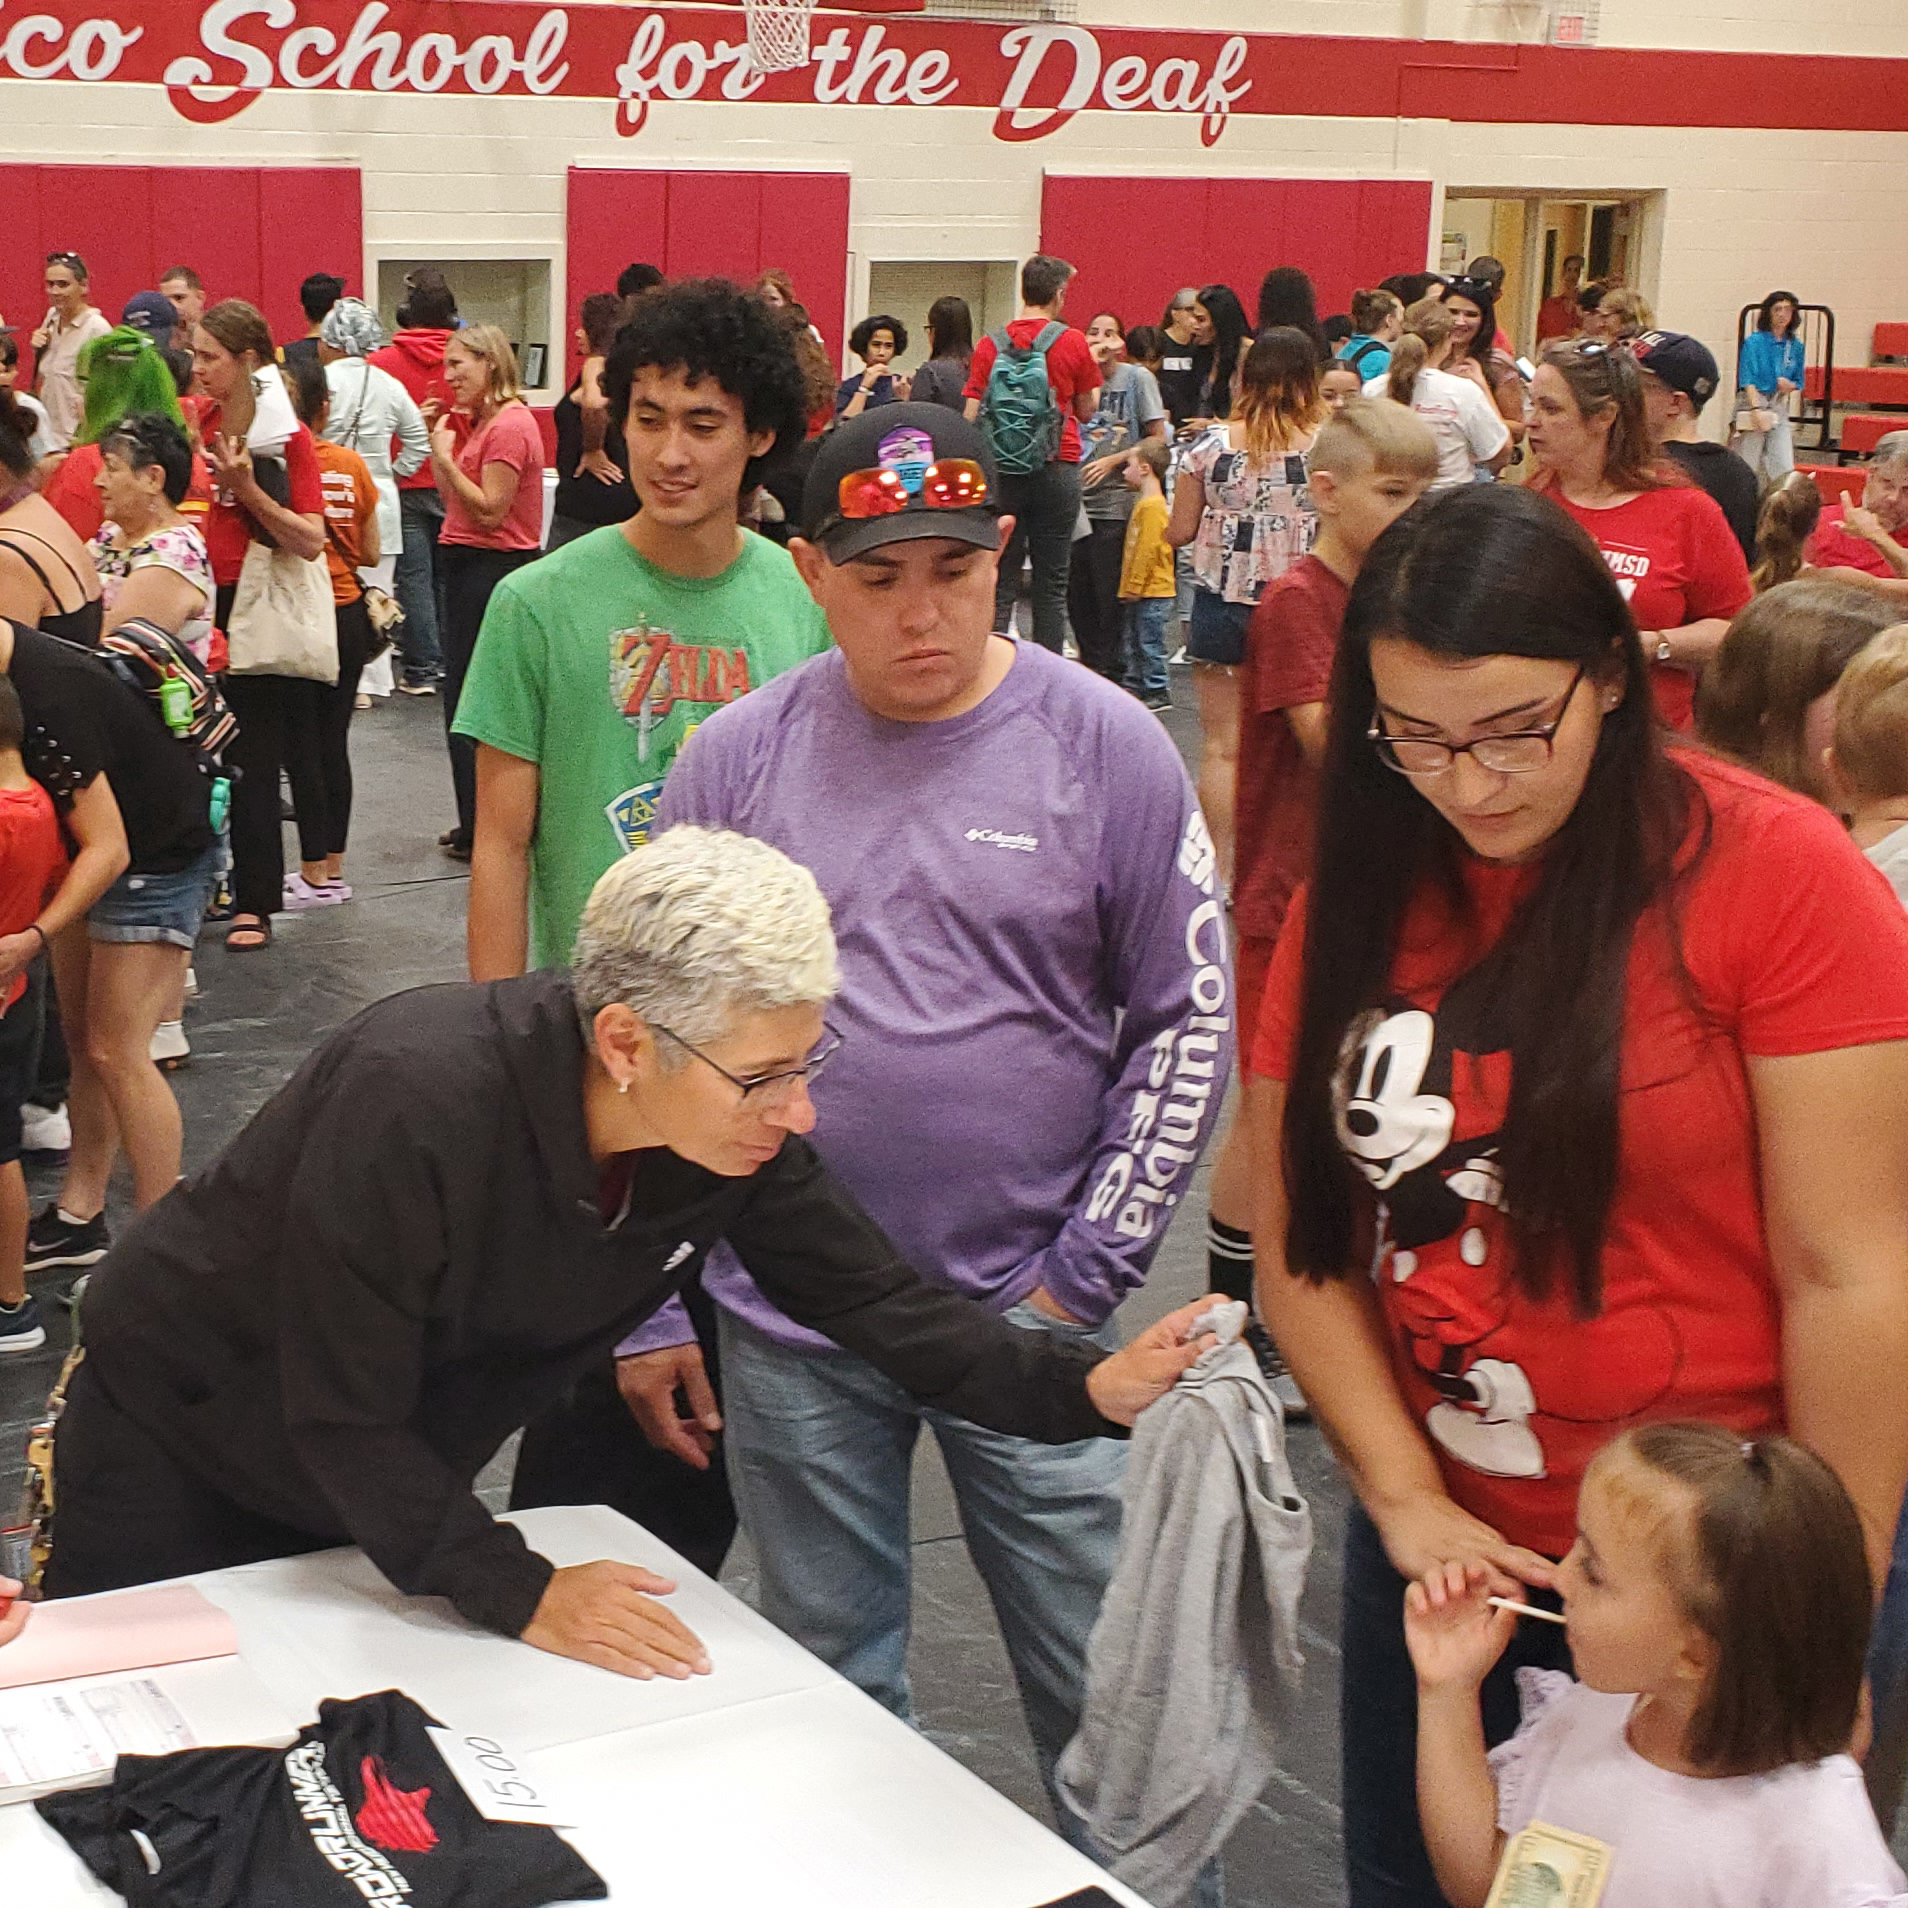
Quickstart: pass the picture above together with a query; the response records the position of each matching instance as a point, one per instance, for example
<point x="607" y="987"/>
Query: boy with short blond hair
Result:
<point x="1868" y="763"/>
<point x="1147" y="584"/>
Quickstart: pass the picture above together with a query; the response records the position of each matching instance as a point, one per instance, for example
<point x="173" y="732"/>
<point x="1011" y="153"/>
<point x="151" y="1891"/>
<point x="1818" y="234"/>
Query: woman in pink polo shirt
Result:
<point x="492" y="486"/>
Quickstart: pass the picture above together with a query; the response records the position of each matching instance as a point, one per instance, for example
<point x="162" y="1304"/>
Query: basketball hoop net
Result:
<point x="778" y="34"/>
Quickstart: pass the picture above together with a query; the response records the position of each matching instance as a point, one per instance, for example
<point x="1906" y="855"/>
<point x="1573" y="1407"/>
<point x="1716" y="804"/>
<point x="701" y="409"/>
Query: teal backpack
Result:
<point x="1018" y="410"/>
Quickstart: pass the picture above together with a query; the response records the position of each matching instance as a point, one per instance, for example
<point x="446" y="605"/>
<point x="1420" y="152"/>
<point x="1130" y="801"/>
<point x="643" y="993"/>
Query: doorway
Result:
<point x="905" y="288"/>
<point x="1534" y="235"/>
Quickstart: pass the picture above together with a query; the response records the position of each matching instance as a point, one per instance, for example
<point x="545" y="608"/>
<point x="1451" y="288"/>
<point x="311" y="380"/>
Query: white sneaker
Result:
<point x="169" y="1044"/>
<point x="45" y="1129"/>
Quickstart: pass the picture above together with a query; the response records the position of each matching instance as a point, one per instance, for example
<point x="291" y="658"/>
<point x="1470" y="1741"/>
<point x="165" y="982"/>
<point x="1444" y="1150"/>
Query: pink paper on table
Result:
<point x="124" y="1630"/>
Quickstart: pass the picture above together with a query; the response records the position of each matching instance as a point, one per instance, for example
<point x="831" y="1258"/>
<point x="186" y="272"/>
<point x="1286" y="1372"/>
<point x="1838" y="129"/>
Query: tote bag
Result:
<point x="282" y="622"/>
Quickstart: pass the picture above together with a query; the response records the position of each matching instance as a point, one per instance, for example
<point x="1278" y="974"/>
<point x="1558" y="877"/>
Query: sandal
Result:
<point x="257" y="934"/>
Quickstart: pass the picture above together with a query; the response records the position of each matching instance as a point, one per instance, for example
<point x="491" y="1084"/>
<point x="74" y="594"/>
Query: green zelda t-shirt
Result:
<point x="597" y="666"/>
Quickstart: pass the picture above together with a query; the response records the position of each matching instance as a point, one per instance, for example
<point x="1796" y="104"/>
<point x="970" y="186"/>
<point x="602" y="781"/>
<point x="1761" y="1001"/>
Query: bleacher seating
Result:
<point x="1837" y="480"/>
<point x="1863" y="430"/>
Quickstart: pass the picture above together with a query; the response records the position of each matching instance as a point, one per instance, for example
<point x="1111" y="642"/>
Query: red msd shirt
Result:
<point x="1795" y="946"/>
<point x="1290" y="648"/>
<point x="1830" y="547"/>
<point x="32" y="864"/>
<point x="1676" y="561"/>
<point x="227" y="527"/>
<point x="73" y="490"/>
<point x="1071" y="371"/>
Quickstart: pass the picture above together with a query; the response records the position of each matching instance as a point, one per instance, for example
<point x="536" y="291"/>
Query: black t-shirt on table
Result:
<point x="585" y="499"/>
<point x="1718" y="470"/>
<point x="82" y="721"/>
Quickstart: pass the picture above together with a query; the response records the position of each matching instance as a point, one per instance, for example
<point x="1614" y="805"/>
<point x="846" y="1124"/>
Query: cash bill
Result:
<point x="1545" y="1867"/>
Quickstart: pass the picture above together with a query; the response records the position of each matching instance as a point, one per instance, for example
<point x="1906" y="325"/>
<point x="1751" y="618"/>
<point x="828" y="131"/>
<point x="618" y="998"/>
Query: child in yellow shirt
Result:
<point x="1146" y="574"/>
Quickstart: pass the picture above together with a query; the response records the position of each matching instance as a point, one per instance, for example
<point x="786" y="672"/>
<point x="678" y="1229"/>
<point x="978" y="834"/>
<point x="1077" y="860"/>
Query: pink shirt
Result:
<point x="511" y="437"/>
<point x="1800" y="1837"/>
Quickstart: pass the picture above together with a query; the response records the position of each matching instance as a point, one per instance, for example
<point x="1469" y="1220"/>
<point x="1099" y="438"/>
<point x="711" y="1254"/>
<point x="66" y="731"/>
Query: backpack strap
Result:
<point x="1047" y="337"/>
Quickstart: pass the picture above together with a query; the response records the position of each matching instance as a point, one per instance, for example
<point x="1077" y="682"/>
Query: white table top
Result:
<point x="770" y="1779"/>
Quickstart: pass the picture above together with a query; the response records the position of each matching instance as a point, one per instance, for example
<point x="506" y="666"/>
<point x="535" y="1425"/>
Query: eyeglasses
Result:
<point x="66" y="258"/>
<point x="1520" y="752"/>
<point x="953" y="484"/>
<point x="768" y="1089"/>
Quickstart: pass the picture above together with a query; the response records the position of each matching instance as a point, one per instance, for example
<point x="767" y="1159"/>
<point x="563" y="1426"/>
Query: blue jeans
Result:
<point x="1886" y="1767"/>
<point x="1385" y="1861"/>
<point x="820" y="1448"/>
<point x="414" y="581"/>
<point x="1146" y="620"/>
<point x="1046" y="506"/>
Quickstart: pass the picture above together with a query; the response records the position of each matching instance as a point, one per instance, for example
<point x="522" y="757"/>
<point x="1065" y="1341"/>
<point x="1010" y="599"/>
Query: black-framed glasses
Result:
<point x="767" y="1089"/>
<point x="1519" y="752"/>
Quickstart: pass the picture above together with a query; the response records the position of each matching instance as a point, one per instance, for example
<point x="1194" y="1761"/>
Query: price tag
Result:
<point x="495" y="1780"/>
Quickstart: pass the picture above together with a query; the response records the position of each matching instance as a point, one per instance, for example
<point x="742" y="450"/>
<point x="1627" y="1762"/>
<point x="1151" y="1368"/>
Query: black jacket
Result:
<point x="402" y="1258"/>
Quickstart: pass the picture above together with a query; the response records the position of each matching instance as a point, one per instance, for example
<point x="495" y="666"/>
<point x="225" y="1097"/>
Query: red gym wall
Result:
<point x="697" y="224"/>
<point x="251" y="232"/>
<point x="1136" y="241"/>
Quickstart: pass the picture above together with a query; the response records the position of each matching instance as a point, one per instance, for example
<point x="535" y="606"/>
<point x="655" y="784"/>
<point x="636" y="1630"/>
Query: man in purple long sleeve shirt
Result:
<point x="1037" y="1006"/>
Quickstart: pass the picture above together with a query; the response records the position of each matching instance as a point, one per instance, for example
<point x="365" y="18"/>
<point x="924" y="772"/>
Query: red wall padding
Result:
<point x="249" y="232"/>
<point x="1136" y="241"/>
<point x="693" y="224"/>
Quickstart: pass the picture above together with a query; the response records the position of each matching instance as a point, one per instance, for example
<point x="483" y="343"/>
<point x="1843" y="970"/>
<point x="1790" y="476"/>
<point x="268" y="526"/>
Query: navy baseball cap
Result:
<point x="1684" y="363"/>
<point x="151" y="312"/>
<point x="898" y="473"/>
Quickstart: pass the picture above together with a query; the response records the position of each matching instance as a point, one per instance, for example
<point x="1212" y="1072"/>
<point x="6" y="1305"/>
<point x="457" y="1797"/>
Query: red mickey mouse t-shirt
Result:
<point x="1795" y="945"/>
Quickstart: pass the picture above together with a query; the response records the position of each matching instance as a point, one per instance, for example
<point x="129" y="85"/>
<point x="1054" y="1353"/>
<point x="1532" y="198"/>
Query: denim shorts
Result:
<point x="1218" y="632"/>
<point x="168" y="908"/>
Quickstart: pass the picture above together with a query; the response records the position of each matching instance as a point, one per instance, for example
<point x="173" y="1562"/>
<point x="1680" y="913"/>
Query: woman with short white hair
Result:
<point x="462" y="1201"/>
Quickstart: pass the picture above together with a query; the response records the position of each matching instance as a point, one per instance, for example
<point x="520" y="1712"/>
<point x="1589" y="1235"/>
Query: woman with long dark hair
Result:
<point x="1286" y="297"/>
<point x="943" y="376"/>
<point x="1668" y="543"/>
<point x="1579" y="1096"/>
<point x="1221" y="332"/>
<point x="1472" y="303"/>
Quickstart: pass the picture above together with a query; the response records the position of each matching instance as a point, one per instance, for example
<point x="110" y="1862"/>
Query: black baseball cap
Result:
<point x="907" y="440"/>
<point x="1684" y="363"/>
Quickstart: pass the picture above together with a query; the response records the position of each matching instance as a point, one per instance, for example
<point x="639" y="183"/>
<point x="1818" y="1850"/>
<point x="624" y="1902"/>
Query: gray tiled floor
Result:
<point x="258" y="1015"/>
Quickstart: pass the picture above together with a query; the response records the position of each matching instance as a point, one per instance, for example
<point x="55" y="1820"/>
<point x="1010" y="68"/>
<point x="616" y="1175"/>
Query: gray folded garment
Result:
<point x="1193" y="1667"/>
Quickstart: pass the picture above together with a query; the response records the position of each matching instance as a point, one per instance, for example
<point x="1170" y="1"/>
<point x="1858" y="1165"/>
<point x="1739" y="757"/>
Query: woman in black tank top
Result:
<point x="47" y="578"/>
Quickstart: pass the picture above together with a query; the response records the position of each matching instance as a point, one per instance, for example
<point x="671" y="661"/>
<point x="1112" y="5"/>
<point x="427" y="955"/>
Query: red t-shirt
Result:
<point x="1795" y="945"/>
<point x="1557" y="317"/>
<point x="511" y="437"/>
<point x="1830" y="547"/>
<point x="32" y="864"/>
<point x="227" y="527"/>
<point x="1290" y="645"/>
<point x="1676" y="561"/>
<point x="73" y="490"/>
<point x="1071" y="371"/>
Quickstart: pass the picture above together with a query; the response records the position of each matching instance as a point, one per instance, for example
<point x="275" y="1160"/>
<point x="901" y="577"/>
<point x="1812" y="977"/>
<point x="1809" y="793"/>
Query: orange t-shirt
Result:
<point x="351" y="501"/>
<point x="1796" y="944"/>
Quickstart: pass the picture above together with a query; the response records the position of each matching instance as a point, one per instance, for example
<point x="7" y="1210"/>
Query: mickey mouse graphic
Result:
<point x="1420" y="1104"/>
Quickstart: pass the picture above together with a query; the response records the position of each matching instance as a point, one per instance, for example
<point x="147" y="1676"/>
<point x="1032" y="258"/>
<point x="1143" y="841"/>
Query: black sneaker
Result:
<point x="54" y="1240"/>
<point x="20" y="1328"/>
<point x="1278" y="1374"/>
<point x="1158" y="701"/>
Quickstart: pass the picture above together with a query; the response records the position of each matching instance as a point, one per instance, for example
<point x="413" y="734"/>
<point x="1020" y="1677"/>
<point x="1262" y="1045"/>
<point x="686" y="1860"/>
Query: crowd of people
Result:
<point x="1536" y="877"/>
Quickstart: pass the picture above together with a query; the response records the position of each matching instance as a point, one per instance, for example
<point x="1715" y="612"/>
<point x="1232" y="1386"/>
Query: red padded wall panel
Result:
<point x="731" y="223"/>
<point x="250" y="232"/>
<point x="714" y="228"/>
<point x="1137" y="240"/>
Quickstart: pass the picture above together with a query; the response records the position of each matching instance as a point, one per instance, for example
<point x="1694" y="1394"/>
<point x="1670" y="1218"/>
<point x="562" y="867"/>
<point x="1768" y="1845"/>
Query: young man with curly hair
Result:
<point x="595" y="664"/>
<point x="592" y="669"/>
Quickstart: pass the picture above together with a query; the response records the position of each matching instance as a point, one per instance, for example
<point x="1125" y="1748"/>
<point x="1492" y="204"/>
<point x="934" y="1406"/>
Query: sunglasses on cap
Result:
<point x="954" y="483"/>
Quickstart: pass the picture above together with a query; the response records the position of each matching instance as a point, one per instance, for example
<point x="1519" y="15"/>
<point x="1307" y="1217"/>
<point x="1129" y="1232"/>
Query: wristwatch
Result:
<point x="1664" y="653"/>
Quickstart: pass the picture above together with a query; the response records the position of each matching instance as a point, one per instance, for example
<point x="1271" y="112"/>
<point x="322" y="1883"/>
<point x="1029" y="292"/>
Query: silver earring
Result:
<point x="624" y="1087"/>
